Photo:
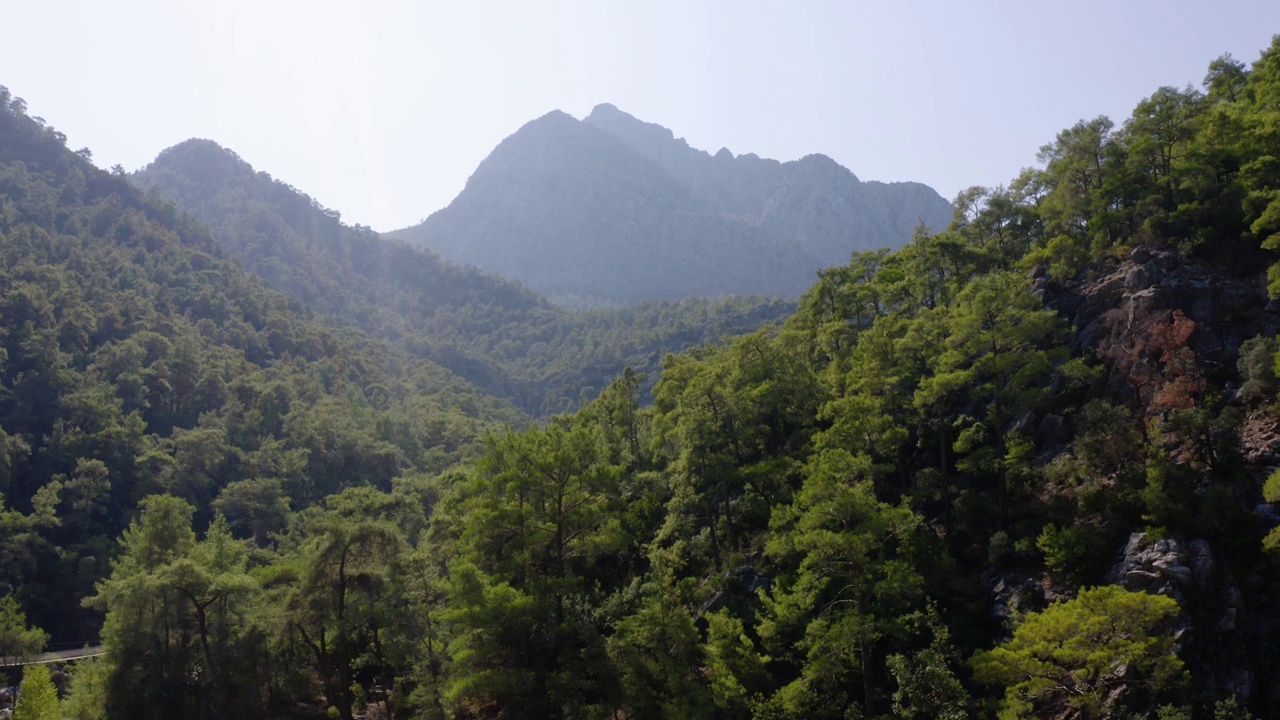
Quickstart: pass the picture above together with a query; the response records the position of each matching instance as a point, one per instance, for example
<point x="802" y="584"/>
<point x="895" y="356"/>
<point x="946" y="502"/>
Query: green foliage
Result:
<point x="1063" y="257"/>
<point x="37" y="697"/>
<point x="855" y="586"/>
<point x="1271" y="489"/>
<point x="539" y="544"/>
<point x="723" y="419"/>
<point x="1257" y="367"/>
<point x="15" y="637"/>
<point x="1271" y="493"/>
<point x="341" y="596"/>
<point x="735" y="669"/>
<point x="656" y="653"/>
<point x="1000" y="550"/>
<point x="178" y="622"/>
<point x="1076" y="553"/>
<point x="1230" y="709"/>
<point x="1074" y="653"/>
<point x="87" y="694"/>
<point x="493" y="333"/>
<point x="1109" y="441"/>
<point x="927" y="687"/>
<point x="811" y="520"/>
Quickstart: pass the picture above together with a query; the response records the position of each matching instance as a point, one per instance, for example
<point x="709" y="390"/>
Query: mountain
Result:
<point x="495" y="333"/>
<point x="611" y="209"/>
<point x="137" y="357"/>
<point x="1025" y="467"/>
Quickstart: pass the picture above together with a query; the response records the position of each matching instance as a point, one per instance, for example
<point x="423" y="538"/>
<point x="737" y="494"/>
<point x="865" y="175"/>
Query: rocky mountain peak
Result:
<point x="614" y="209"/>
<point x="609" y="118"/>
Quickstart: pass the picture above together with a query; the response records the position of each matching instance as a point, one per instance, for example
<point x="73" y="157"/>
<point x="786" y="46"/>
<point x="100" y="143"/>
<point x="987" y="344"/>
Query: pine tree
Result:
<point x="37" y="697"/>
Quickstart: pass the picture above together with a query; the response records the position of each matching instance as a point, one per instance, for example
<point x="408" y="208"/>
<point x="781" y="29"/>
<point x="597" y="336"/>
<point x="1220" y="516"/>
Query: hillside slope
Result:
<point x="493" y="332"/>
<point x="136" y="357"/>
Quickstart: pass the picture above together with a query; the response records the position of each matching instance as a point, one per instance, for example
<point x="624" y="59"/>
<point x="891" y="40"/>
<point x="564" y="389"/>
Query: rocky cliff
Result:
<point x="1155" y="318"/>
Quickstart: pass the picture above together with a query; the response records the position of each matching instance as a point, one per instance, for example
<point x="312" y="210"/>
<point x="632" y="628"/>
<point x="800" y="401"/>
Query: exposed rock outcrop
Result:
<point x="1212" y="605"/>
<point x="1226" y="308"/>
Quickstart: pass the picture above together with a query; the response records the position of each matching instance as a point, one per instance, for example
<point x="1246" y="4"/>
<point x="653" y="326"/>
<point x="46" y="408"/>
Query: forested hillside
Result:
<point x="612" y="210"/>
<point x="496" y="334"/>
<point x="136" y="359"/>
<point x="1023" y="467"/>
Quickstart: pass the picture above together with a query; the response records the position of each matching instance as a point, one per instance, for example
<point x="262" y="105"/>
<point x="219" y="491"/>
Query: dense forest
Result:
<point x="1023" y="467"/>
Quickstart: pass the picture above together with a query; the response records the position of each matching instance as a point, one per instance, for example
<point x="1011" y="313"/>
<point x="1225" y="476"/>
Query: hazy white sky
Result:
<point x="382" y="109"/>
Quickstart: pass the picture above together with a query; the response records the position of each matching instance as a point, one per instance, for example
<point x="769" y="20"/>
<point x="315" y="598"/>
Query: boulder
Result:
<point x="1158" y="567"/>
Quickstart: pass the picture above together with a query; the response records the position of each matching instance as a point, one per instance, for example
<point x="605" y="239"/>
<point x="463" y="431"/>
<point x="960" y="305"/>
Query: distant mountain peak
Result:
<point x="605" y="109"/>
<point x="204" y="159"/>
<point x="556" y="121"/>
<point x="196" y="147"/>
<point x="614" y="209"/>
<point x="608" y="112"/>
<point x="629" y="128"/>
<point x="558" y="117"/>
<point x="824" y="164"/>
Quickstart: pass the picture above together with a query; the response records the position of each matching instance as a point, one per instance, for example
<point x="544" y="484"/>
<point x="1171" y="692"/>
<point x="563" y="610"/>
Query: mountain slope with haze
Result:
<point x="610" y="209"/>
<point x="493" y="332"/>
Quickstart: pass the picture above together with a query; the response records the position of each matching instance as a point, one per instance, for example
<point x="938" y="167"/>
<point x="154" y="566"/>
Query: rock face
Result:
<point x="1211" y="601"/>
<point x="1127" y="310"/>
<point x="611" y="209"/>
<point x="1226" y="309"/>
<point x="1158" y="567"/>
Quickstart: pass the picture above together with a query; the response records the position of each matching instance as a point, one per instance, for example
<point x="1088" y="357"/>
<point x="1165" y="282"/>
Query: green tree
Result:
<point x="37" y="697"/>
<point x="734" y="667"/>
<point x="844" y="302"/>
<point x="539" y="529"/>
<point x="656" y="654"/>
<point x="1069" y="658"/>
<point x="927" y="685"/>
<point x="724" y="420"/>
<point x="1159" y="134"/>
<point x="337" y="608"/>
<point x="178" y="626"/>
<point x="87" y="694"/>
<point x="617" y="414"/>
<point x="1000" y="348"/>
<point x="255" y="508"/>
<point x="498" y="633"/>
<point x="150" y="658"/>
<point x="929" y="270"/>
<point x="1271" y="493"/>
<point x="856" y="588"/>
<point x="15" y="637"/>
<point x="1226" y="79"/>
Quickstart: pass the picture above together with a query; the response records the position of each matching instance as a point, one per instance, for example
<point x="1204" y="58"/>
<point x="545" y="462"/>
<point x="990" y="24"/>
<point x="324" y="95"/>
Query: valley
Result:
<point x="633" y="430"/>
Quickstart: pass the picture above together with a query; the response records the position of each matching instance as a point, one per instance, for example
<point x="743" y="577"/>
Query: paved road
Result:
<point x="53" y="657"/>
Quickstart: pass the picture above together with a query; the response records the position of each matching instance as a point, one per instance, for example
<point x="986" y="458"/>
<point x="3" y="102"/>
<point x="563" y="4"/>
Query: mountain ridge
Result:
<point x="495" y="333"/>
<point x="611" y="209"/>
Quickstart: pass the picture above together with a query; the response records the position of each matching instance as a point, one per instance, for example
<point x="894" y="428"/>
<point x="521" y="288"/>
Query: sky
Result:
<point x="381" y="110"/>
